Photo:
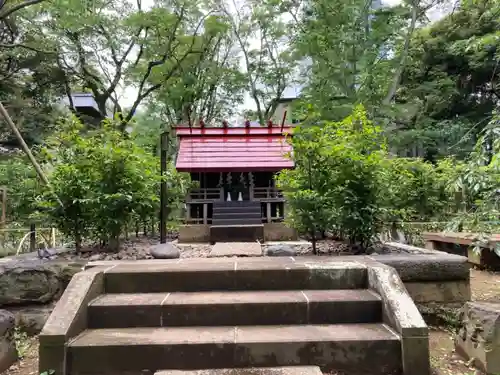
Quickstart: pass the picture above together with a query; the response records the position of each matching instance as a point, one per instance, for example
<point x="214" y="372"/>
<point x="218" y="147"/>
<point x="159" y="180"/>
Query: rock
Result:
<point x="31" y="319"/>
<point x="478" y="338"/>
<point x="165" y="251"/>
<point x="8" y="352"/>
<point x="24" y="282"/>
<point x="95" y="257"/>
<point x="280" y="251"/>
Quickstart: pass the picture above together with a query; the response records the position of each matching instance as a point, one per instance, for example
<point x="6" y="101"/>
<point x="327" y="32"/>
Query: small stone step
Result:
<point x="236" y="249"/>
<point x="235" y="308"/>
<point x="285" y="370"/>
<point x="237" y="204"/>
<point x="236" y="210"/>
<point x="237" y="215"/>
<point x="372" y="348"/>
<point x="225" y="274"/>
<point x="237" y="233"/>
<point x="243" y="220"/>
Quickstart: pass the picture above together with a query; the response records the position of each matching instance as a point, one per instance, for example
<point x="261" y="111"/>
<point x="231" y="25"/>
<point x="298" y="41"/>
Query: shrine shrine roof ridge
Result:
<point x="276" y="130"/>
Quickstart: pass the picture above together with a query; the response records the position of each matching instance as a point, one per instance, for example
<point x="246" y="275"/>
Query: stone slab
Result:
<point x="443" y="292"/>
<point x="236" y="249"/>
<point x="479" y="335"/>
<point x="285" y="370"/>
<point x="370" y="346"/>
<point x="68" y="319"/>
<point x="255" y="273"/>
<point x="236" y="233"/>
<point x="426" y="267"/>
<point x="401" y="314"/>
<point x="8" y="352"/>
<point x="234" y="308"/>
<point x="194" y="233"/>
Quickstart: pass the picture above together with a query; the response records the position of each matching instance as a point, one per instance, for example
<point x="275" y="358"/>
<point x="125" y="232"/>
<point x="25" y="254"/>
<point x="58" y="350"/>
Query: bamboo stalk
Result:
<point x="26" y="149"/>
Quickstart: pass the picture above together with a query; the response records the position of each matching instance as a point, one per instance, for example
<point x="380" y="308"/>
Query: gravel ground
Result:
<point x="138" y="248"/>
<point x="134" y="249"/>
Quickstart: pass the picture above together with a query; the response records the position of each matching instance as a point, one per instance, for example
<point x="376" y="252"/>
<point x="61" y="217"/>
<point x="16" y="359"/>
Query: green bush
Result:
<point x="418" y="191"/>
<point x="346" y="183"/>
<point x="19" y="177"/>
<point x="334" y="185"/>
<point x="104" y="181"/>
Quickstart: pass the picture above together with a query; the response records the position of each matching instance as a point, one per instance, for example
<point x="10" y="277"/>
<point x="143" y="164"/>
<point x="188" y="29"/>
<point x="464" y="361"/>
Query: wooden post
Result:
<point x="4" y="205"/>
<point x="268" y="212"/>
<point x="32" y="237"/>
<point x="163" y="187"/>
<point x="53" y="237"/>
<point x="188" y="213"/>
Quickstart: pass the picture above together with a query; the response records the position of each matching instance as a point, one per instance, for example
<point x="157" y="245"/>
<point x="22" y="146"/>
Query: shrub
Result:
<point x="104" y="180"/>
<point x="334" y="185"/>
<point x="415" y="190"/>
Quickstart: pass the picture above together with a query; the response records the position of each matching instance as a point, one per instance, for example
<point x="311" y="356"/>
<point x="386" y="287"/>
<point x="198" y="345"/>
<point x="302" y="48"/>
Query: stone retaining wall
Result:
<point x="199" y="233"/>
<point x="431" y="277"/>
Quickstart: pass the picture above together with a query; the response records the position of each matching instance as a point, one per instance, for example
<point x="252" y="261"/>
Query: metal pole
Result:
<point x="163" y="187"/>
<point x="32" y="237"/>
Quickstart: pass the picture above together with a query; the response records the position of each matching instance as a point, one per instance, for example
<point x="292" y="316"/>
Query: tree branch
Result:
<point x="34" y="49"/>
<point x="17" y="7"/>
<point x="142" y="95"/>
<point x="404" y="54"/>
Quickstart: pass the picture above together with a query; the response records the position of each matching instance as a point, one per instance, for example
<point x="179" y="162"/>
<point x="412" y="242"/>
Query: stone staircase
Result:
<point x="235" y="313"/>
<point x="236" y="221"/>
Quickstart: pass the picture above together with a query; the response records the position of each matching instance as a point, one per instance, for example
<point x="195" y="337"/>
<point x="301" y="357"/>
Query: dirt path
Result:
<point x="485" y="287"/>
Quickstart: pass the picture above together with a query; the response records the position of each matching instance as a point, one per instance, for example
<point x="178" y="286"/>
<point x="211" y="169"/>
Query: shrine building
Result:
<point x="235" y="198"/>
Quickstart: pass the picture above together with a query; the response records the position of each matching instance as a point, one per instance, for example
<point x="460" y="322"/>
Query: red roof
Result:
<point x="233" y="149"/>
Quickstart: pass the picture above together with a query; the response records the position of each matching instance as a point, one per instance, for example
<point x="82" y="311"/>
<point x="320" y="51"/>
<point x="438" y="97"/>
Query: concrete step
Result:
<point x="237" y="215"/>
<point x="224" y="274"/>
<point x="284" y="370"/>
<point x="237" y="233"/>
<point x="235" y="308"/>
<point x="370" y="347"/>
<point x="238" y="210"/>
<point x="243" y="220"/>
<point x="226" y="204"/>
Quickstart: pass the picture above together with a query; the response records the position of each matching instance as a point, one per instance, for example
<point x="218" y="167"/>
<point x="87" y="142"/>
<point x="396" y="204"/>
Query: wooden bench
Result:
<point x="461" y="243"/>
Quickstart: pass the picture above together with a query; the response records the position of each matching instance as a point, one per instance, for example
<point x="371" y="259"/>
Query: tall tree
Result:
<point x="207" y="86"/>
<point x="263" y="40"/>
<point x="30" y="81"/>
<point x="356" y="50"/>
<point x="451" y="83"/>
<point x="101" y="45"/>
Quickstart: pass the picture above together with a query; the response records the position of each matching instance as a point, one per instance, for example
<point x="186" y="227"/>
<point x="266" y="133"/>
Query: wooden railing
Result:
<point x="267" y="194"/>
<point x="202" y="195"/>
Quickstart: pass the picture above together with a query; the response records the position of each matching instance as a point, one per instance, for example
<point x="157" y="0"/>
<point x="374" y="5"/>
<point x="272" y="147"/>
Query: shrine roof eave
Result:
<point x="188" y="169"/>
<point x="182" y="131"/>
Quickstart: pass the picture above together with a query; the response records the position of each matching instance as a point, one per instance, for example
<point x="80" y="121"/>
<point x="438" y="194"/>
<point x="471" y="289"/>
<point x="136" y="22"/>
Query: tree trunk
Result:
<point x="313" y="241"/>
<point x="114" y="243"/>
<point x="404" y="54"/>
